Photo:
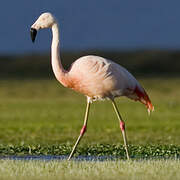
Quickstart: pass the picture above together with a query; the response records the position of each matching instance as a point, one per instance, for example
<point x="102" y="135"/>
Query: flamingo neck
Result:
<point x="57" y="67"/>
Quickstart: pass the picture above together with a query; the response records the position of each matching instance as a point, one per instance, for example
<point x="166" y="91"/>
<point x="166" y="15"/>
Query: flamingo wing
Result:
<point x="100" y="78"/>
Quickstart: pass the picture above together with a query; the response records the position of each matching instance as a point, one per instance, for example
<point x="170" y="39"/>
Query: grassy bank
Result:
<point x="41" y="113"/>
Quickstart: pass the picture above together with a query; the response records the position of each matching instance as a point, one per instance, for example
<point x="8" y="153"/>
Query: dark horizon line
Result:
<point x="98" y="50"/>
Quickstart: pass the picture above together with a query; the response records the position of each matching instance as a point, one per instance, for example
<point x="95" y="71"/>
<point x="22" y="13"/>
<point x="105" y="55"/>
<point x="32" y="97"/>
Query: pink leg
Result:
<point x="122" y="127"/>
<point x="83" y="130"/>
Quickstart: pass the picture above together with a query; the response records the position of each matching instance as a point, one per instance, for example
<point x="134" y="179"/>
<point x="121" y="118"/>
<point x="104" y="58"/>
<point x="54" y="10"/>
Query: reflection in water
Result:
<point x="83" y="158"/>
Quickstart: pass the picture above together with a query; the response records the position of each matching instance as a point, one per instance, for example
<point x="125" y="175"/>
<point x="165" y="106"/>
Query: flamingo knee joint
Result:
<point x="83" y="130"/>
<point x="122" y="125"/>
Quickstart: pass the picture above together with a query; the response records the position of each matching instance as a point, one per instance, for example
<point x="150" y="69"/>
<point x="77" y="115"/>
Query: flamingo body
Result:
<point x="99" y="78"/>
<point x="95" y="77"/>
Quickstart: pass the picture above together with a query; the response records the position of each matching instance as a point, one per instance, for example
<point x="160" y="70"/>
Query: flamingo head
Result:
<point x="45" y="20"/>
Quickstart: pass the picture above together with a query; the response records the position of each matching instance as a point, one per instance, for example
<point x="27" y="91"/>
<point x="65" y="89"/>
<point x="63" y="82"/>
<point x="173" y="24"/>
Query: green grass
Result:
<point x="135" y="151"/>
<point x="40" y="117"/>
<point x="127" y="170"/>
<point x="41" y="114"/>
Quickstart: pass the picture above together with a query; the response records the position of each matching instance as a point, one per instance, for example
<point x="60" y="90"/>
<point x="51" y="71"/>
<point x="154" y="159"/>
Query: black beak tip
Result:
<point x="33" y="34"/>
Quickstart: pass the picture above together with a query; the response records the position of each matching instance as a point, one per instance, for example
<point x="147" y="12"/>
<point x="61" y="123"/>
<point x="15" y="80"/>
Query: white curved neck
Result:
<point x="55" y="55"/>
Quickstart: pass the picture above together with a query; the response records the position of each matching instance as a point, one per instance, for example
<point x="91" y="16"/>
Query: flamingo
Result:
<point x="95" y="77"/>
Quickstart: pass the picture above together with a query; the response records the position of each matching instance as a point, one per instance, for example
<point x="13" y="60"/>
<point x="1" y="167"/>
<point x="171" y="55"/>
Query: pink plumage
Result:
<point x="95" y="77"/>
<point x="99" y="78"/>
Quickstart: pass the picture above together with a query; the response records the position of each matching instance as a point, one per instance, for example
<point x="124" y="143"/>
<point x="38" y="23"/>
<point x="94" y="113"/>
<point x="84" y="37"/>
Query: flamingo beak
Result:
<point x="33" y="34"/>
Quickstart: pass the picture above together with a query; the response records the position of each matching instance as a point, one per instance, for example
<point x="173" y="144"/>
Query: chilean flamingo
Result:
<point x="95" y="77"/>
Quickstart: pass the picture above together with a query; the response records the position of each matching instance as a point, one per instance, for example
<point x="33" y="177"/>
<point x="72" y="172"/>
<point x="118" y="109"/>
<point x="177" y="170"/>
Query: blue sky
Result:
<point x="92" y="24"/>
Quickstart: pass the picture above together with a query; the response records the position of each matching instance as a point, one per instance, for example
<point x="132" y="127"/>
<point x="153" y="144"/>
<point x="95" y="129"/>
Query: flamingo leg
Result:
<point x="122" y="126"/>
<point x="83" y="130"/>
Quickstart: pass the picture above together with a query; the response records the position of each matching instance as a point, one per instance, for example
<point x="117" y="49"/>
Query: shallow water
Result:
<point x="81" y="158"/>
<point x="50" y="157"/>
